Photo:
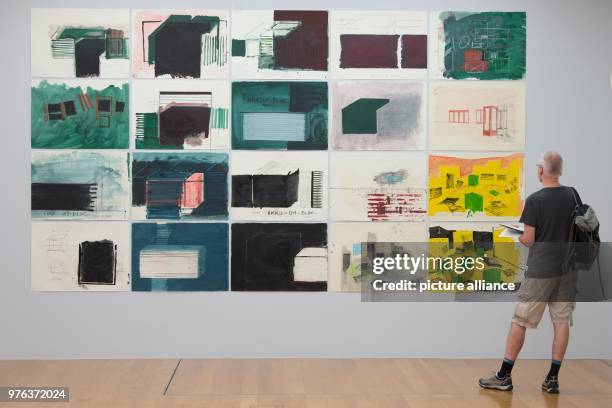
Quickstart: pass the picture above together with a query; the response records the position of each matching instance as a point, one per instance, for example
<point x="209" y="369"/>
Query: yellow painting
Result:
<point x="500" y="254"/>
<point x="476" y="187"/>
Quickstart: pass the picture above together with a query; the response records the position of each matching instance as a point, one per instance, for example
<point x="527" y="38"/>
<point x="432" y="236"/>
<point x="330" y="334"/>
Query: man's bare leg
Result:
<point x="514" y="342"/>
<point x="560" y="340"/>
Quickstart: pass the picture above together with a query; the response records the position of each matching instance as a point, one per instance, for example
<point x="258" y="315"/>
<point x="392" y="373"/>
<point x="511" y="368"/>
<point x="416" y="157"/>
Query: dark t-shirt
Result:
<point x="550" y="212"/>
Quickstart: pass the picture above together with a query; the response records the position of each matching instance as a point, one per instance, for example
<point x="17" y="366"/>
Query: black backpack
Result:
<point x="584" y="239"/>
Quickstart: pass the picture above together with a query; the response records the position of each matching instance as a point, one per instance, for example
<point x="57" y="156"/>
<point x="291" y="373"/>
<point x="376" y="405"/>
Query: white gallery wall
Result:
<point x="568" y="108"/>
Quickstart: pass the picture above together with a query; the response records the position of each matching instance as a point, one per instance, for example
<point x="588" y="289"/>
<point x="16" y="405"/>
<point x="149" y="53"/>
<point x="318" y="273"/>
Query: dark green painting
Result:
<point x="69" y="116"/>
<point x="279" y="115"/>
<point x="489" y="45"/>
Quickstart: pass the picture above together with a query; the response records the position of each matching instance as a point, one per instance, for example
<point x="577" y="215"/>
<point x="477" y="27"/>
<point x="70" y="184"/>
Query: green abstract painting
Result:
<point x="488" y="45"/>
<point x="80" y="114"/>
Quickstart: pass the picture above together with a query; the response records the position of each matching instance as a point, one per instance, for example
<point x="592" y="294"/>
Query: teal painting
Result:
<point x="279" y="115"/>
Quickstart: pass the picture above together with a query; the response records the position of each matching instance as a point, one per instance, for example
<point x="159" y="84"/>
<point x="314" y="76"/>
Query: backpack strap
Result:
<point x="572" y="232"/>
<point x="576" y="196"/>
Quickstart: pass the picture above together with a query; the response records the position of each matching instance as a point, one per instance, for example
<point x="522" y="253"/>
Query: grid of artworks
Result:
<point x="256" y="150"/>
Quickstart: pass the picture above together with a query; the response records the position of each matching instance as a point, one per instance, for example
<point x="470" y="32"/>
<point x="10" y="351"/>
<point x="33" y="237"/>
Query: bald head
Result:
<point x="552" y="164"/>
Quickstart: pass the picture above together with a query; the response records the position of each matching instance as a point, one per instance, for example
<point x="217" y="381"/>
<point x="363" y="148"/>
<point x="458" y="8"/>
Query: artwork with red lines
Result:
<point x="494" y="119"/>
<point x="477" y="116"/>
<point x="383" y="206"/>
<point x="378" y="186"/>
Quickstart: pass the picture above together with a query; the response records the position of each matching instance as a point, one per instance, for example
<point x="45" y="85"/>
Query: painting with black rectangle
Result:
<point x="97" y="262"/>
<point x="87" y="256"/>
<point x="181" y="114"/>
<point x="279" y="257"/>
<point x="180" y="44"/>
<point x="79" y="185"/>
<point x="179" y="186"/>
<point x="81" y="43"/>
<point x="287" y="186"/>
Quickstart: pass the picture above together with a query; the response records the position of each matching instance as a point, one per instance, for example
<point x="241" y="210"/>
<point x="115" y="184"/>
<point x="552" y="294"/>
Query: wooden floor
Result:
<point x="280" y="383"/>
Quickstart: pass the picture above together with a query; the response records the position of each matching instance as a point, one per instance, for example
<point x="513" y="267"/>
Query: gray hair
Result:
<point x="552" y="163"/>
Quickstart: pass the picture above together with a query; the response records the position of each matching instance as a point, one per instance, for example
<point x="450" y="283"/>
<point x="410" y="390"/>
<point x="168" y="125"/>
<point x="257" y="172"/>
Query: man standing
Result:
<point x="547" y="217"/>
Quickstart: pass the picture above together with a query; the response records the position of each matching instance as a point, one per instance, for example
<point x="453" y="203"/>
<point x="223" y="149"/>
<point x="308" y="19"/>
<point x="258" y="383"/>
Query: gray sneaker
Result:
<point x="492" y="382"/>
<point x="551" y="385"/>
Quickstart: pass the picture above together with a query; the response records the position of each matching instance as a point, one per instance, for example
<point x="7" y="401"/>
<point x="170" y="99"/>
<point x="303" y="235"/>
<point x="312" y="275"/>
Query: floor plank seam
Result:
<point x="531" y="392"/>
<point x="606" y="362"/>
<point x="172" y="376"/>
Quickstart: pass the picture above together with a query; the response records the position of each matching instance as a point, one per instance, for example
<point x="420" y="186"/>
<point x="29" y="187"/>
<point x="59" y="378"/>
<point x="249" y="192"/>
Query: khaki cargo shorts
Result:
<point x="536" y="293"/>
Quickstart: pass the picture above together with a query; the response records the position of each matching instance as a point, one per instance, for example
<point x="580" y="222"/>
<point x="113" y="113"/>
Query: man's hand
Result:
<point x="527" y="238"/>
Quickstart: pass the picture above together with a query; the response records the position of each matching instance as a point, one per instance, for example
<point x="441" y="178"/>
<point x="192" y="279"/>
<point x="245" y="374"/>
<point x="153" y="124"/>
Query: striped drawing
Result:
<point x="213" y="50"/>
<point x="219" y="118"/>
<point x="316" y="182"/>
<point x="63" y="48"/>
<point x="146" y="125"/>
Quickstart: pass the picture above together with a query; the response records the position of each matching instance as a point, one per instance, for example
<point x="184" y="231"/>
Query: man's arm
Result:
<point x="527" y="238"/>
<point x="529" y="218"/>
